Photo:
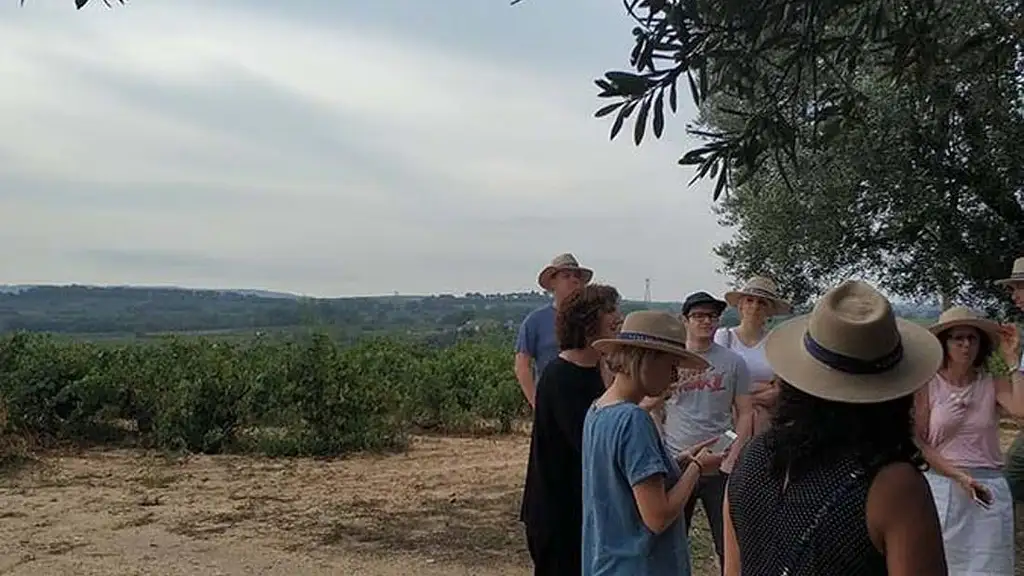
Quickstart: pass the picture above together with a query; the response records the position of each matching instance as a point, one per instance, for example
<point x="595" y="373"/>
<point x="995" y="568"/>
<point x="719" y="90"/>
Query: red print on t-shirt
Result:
<point x="709" y="382"/>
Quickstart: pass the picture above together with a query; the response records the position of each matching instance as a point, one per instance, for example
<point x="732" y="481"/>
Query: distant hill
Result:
<point x="16" y="288"/>
<point x="135" y="310"/>
<point x="92" y="310"/>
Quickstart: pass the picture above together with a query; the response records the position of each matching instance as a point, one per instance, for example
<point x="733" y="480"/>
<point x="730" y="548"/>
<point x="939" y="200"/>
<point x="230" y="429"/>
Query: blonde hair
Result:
<point x="627" y="360"/>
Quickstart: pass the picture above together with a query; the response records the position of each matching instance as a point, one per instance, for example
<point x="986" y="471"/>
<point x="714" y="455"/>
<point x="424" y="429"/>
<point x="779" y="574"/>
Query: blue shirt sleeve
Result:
<point x="525" y="340"/>
<point x="640" y="453"/>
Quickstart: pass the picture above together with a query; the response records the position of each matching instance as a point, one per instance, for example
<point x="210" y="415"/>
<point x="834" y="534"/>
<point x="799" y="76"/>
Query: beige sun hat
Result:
<point x="852" y="348"/>
<point x="1016" y="275"/>
<point x="962" y="316"/>
<point x="560" y="263"/>
<point x="654" y="330"/>
<point x="760" y="287"/>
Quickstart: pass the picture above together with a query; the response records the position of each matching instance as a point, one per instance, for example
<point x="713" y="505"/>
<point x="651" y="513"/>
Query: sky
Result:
<point x="335" y="148"/>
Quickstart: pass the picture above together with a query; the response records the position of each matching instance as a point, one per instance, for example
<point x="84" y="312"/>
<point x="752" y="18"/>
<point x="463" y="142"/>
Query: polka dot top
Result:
<point x="769" y="521"/>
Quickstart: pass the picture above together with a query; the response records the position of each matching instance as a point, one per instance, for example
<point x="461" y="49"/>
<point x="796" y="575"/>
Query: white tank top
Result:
<point x="757" y="363"/>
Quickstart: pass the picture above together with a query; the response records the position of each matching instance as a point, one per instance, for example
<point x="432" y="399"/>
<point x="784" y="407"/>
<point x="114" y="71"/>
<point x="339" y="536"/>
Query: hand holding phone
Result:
<point x="981" y="495"/>
<point x="724" y="442"/>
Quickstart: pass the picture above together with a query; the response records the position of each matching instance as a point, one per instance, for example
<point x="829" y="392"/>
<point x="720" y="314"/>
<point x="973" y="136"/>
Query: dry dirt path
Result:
<point x="448" y="507"/>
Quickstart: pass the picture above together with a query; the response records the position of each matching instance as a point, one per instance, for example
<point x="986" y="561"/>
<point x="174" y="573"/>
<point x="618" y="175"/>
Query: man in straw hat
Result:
<point x="536" y="344"/>
<point x="1015" y="455"/>
<point x="835" y="486"/>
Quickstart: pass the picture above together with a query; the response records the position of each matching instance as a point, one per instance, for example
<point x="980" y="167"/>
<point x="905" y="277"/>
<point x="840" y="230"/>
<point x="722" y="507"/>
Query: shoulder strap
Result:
<point x="805" y="537"/>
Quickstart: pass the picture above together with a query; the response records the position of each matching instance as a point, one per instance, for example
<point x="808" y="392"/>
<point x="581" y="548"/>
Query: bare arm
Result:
<point x="524" y="373"/>
<point x="744" y="428"/>
<point x="658" y="507"/>
<point x="903" y="524"/>
<point x="743" y="415"/>
<point x="764" y="393"/>
<point x="732" y="565"/>
<point x="1010" y="393"/>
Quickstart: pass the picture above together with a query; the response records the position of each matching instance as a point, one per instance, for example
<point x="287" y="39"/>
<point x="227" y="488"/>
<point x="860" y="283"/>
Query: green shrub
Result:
<point x="282" y="397"/>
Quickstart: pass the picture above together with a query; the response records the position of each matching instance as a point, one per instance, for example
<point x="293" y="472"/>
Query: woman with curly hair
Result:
<point x="552" y="497"/>
<point x="958" y="427"/>
<point x="835" y="486"/>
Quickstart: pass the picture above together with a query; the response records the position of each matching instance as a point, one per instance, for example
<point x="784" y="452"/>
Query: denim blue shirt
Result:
<point x="621" y="448"/>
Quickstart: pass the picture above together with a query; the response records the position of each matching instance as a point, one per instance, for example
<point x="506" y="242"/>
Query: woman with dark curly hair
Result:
<point x="835" y="486"/>
<point x="553" y="496"/>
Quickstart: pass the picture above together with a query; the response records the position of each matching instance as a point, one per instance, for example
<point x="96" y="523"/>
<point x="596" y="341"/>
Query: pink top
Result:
<point x="969" y="437"/>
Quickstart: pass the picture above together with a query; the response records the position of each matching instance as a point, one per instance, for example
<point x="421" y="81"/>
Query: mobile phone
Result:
<point x="981" y="498"/>
<point x="724" y="441"/>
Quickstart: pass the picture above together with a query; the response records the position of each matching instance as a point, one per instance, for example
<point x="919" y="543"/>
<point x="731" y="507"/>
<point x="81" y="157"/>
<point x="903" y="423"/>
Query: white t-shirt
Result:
<point x="757" y="362"/>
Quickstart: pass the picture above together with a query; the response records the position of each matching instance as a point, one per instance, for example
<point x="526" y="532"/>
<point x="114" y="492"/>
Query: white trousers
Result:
<point x="978" y="541"/>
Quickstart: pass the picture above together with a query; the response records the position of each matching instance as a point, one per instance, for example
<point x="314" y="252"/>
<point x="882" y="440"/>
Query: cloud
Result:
<point x="235" y="144"/>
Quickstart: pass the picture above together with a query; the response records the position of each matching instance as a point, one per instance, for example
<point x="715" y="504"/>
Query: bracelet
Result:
<point x="700" y="469"/>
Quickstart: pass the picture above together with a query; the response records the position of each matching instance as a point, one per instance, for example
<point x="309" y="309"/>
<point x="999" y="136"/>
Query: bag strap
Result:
<point x="805" y="537"/>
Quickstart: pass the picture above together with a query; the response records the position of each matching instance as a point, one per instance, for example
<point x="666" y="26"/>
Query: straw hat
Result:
<point x="961" y="316"/>
<point x="1016" y="276"/>
<point x="852" y="348"/>
<point x="760" y="287"/>
<point x="561" y="263"/>
<point x="654" y="330"/>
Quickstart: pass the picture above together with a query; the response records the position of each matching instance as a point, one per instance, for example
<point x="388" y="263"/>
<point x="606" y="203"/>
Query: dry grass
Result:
<point x="447" y="507"/>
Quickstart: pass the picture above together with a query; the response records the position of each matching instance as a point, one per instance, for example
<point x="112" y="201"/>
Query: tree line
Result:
<point x="131" y="311"/>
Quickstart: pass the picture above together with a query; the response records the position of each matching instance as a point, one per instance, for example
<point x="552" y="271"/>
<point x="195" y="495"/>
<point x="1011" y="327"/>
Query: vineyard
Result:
<point x="308" y="396"/>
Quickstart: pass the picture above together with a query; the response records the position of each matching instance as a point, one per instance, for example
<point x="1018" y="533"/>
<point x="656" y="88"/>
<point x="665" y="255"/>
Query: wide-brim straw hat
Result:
<point x="560" y="263"/>
<point x="852" y="348"/>
<point x="764" y="288"/>
<point x="1016" y="276"/>
<point x="962" y="316"/>
<point x="654" y="330"/>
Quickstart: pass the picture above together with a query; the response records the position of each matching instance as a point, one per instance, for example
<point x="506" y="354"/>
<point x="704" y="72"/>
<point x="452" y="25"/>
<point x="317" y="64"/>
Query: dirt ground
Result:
<point x="447" y="507"/>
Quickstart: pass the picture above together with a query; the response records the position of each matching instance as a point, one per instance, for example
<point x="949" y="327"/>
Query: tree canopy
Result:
<point x="872" y="138"/>
<point x="793" y="63"/>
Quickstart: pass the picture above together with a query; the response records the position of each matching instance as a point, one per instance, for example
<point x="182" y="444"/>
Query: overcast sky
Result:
<point x="334" y="148"/>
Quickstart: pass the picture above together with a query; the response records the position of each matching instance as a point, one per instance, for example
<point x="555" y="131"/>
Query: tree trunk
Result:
<point x="945" y="301"/>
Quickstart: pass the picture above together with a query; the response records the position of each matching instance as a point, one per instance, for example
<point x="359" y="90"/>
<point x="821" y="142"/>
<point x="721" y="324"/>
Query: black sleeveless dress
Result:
<point x="769" y="522"/>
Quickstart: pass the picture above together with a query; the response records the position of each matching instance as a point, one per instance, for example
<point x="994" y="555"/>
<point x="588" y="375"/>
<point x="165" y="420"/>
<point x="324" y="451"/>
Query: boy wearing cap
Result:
<point x="701" y="405"/>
